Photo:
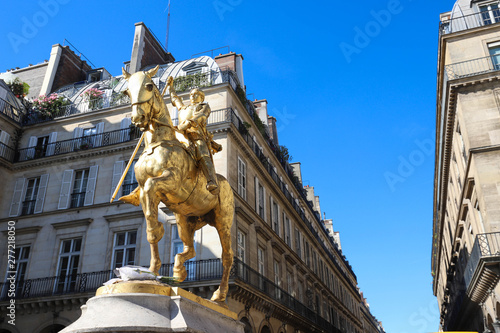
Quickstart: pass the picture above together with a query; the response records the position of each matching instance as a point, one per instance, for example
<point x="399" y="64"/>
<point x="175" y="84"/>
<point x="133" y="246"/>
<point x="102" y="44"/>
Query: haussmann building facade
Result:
<point x="466" y="225"/>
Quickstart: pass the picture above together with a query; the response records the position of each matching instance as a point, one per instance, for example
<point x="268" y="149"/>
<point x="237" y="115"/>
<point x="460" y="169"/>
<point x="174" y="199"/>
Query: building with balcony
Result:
<point x="59" y="169"/>
<point x="466" y="222"/>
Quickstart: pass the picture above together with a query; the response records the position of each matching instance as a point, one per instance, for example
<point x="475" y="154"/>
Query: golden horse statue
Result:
<point x="166" y="172"/>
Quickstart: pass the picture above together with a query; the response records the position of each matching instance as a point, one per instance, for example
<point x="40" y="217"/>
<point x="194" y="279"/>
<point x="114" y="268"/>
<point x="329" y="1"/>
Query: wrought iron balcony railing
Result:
<point x="466" y="22"/>
<point x="473" y="67"/>
<point x="78" y="144"/>
<point x="482" y="271"/>
<point x="201" y="270"/>
<point x="6" y="152"/>
<point x="114" y="100"/>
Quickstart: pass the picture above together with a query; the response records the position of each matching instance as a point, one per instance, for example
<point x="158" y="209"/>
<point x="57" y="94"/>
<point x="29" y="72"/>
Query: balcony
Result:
<point x="467" y="22"/>
<point x="482" y="272"/>
<point x="201" y="270"/>
<point x="473" y="67"/>
<point x="78" y="144"/>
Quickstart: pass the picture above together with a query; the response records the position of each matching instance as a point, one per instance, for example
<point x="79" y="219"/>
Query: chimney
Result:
<point x="273" y="131"/>
<point x="233" y="62"/>
<point x="147" y="50"/>
<point x="296" y="170"/>
<point x="65" y="67"/>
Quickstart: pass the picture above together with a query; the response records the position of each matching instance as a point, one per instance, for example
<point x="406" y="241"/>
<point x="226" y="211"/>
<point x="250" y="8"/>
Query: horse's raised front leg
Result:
<point x="186" y="234"/>
<point x="223" y="222"/>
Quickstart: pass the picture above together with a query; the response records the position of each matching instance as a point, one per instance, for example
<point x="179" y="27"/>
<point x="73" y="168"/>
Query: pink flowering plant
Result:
<point x="49" y="106"/>
<point x="93" y="96"/>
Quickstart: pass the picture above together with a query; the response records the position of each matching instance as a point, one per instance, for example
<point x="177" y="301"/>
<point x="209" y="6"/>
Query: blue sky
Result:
<point x="351" y="85"/>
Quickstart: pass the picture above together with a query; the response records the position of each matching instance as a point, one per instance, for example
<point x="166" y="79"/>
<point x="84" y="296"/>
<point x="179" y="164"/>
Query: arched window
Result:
<point x="265" y="329"/>
<point x="248" y="326"/>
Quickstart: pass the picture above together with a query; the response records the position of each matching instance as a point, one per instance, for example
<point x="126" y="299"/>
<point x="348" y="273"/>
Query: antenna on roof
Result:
<point x="168" y="26"/>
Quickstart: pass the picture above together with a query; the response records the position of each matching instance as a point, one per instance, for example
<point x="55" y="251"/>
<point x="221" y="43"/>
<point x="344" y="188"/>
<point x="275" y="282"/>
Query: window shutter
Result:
<point x="77" y="133"/>
<point x="17" y="197"/>
<point x="52" y="143"/>
<point x="89" y="195"/>
<point x="30" y="153"/>
<point x="264" y="204"/>
<point x="124" y="126"/>
<point x="4" y="138"/>
<point x="117" y="173"/>
<point x="257" y="195"/>
<point x="99" y="130"/>
<point x="40" y="198"/>
<point x="65" y="189"/>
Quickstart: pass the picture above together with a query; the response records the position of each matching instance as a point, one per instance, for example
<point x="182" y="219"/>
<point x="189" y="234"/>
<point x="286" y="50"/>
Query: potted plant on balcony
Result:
<point x="49" y="107"/>
<point x="94" y="97"/>
<point x="19" y="88"/>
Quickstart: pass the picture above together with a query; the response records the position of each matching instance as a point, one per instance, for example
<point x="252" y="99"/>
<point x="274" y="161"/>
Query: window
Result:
<point x="261" y="267"/>
<point x="130" y="182"/>
<point x="315" y="262"/>
<point x="260" y="261"/>
<point x="297" y="243"/>
<point x="300" y="292"/>
<point x="79" y="188"/>
<point x="286" y="231"/>
<point x="490" y="13"/>
<point x="242" y="178"/>
<point x="89" y="137"/>
<point x="260" y="208"/>
<point x="30" y="196"/>
<point x="41" y="146"/>
<point x="289" y="282"/>
<point x="241" y="245"/>
<point x="275" y="221"/>
<point x="277" y="279"/>
<point x="21" y="255"/>
<point x="124" y="249"/>
<point x="69" y="259"/>
<point x="260" y="204"/>
<point x="495" y="55"/>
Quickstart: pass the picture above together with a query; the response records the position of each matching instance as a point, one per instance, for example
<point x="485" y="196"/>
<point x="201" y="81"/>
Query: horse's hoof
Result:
<point x="180" y="274"/>
<point x="154" y="269"/>
<point x="218" y="296"/>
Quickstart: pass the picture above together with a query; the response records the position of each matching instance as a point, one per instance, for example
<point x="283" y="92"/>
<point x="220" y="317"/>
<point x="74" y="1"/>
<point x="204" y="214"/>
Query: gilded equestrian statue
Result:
<point x="168" y="171"/>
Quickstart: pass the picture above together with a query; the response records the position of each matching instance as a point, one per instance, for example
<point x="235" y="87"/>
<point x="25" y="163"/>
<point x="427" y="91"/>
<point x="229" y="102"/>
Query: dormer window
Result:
<point x="490" y="13"/>
<point x="94" y="77"/>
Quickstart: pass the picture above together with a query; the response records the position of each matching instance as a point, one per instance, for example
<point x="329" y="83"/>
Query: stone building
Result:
<point x="58" y="172"/>
<point x="466" y="224"/>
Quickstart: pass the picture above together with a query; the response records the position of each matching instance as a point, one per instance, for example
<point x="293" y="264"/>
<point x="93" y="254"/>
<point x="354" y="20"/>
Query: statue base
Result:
<point x="147" y="306"/>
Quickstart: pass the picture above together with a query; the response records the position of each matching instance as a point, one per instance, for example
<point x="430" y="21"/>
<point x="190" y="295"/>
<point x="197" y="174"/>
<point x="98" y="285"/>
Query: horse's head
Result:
<point x="141" y="92"/>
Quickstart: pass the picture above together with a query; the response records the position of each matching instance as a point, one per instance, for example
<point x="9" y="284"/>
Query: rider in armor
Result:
<point x="193" y="124"/>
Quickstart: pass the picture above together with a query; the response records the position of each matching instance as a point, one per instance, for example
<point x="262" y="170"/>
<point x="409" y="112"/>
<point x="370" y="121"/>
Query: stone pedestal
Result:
<point x="152" y="308"/>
